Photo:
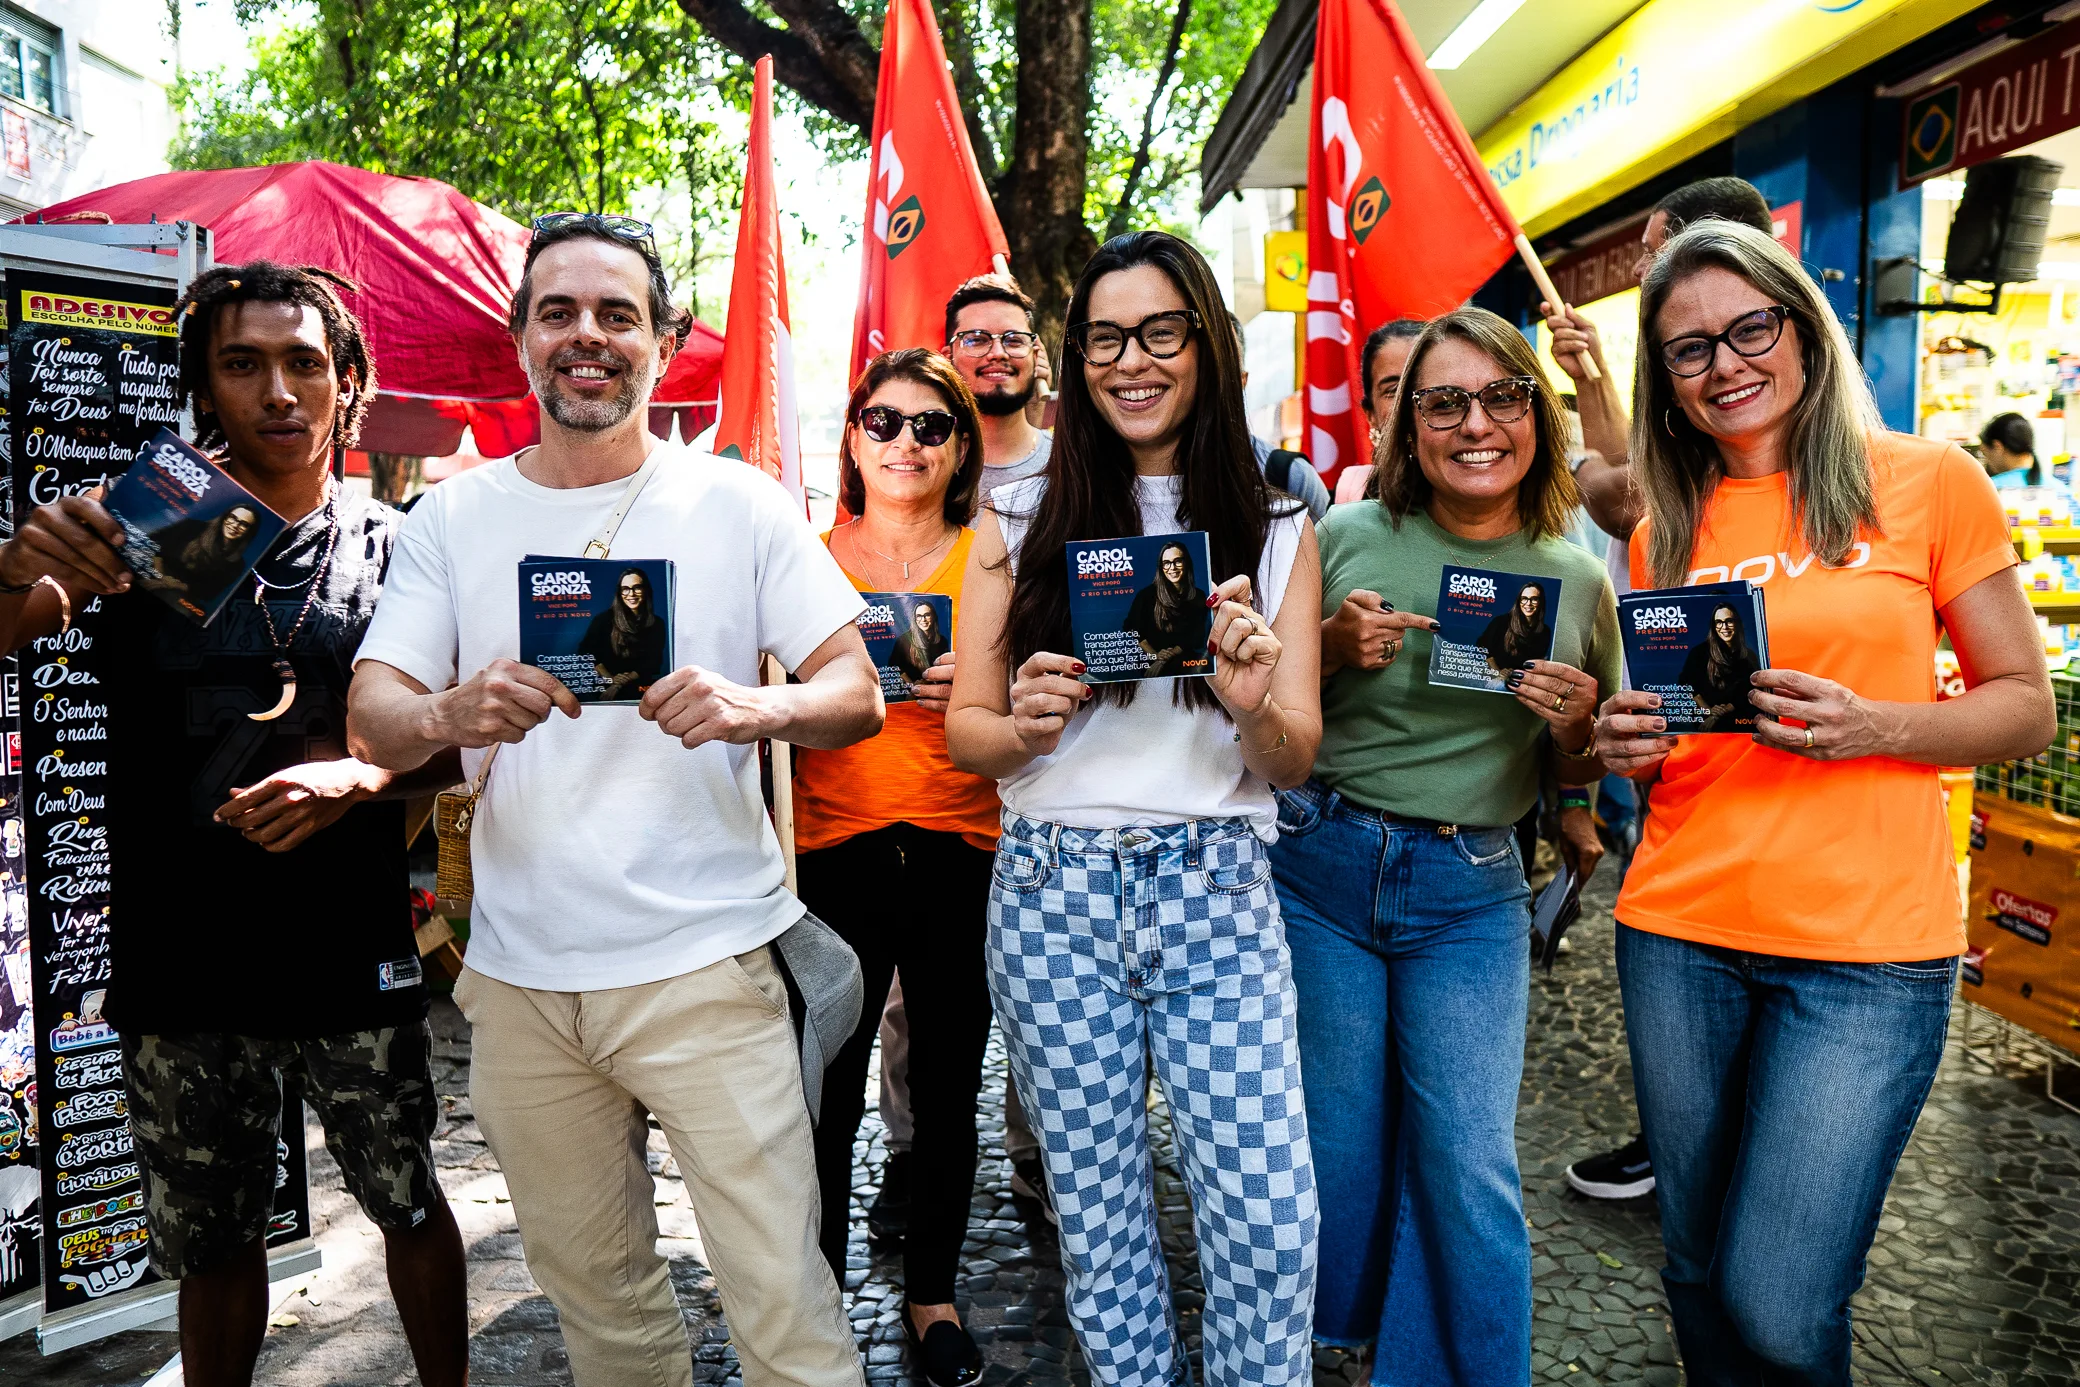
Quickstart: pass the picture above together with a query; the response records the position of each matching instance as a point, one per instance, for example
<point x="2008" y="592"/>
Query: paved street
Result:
<point x="1975" y="1277"/>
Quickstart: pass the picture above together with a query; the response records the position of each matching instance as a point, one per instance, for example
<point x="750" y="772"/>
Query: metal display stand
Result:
<point x="2008" y="1042"/>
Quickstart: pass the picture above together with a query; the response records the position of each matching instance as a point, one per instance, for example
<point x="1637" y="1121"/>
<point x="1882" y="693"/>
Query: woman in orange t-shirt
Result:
<point x="896" y="844"/>
<point x="1789" y="927"/>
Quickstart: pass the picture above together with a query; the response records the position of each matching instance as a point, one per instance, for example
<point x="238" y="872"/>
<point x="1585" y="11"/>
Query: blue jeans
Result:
<point x="1776" y="1095"/>
<point x="1411" y="960"/>
<point x="1114" y="948"/>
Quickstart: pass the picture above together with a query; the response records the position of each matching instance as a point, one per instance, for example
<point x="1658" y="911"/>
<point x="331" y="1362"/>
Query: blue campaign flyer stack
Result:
<point x="602" y="626"/>
<point x="1137" y="606"/>
<point x="1490" y="623"/>
<point x="190" y="533"/>
<point x="905" y="632"/>
<point x="1697" y="647"/>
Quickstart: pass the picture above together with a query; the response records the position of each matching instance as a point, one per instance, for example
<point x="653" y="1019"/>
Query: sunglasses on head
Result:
<point x="633" y="230"/>
<point x="884" y="424"/>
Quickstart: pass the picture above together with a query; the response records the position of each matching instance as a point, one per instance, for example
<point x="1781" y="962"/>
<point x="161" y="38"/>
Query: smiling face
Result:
<point x="633" y="591"/>
<point x="922" y="620"/>
<point x="903" y="471"/>
<point x="273" y="386"/>
<point x="238" y="523"/>
<point x="589" y="347"/>
<point x="1725" y="625"/>
<point x="1176" y="564"/>
<point x="1147" y="401"/>
<point x="1479" y="461"/>
<point x="1002" y="383"/>
<point x="1530" y="600"/>
<point x="1740" y="400"/>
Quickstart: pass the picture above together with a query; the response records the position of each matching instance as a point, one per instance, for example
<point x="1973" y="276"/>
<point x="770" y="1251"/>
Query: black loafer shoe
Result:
<point x="944" y="1353"/>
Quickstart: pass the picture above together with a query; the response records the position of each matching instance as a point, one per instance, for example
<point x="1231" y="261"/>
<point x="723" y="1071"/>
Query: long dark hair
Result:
<point x="1090" y="476"/>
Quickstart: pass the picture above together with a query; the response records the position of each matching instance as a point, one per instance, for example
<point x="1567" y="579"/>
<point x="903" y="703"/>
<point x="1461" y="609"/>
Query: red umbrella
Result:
<point x="437" y="272"/>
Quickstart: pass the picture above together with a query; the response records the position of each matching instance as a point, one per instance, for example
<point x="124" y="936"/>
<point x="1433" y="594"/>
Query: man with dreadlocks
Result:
<point x="232" y="784"/>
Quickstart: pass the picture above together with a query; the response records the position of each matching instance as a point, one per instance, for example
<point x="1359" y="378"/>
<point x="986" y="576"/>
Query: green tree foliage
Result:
<point x="528" y="105"/>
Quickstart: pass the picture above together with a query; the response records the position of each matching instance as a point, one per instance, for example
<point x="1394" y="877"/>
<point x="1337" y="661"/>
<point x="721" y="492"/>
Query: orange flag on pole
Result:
<point x="930" y="224"/>
<point x="1403" y="219"/>
<point x="759" y="423"/>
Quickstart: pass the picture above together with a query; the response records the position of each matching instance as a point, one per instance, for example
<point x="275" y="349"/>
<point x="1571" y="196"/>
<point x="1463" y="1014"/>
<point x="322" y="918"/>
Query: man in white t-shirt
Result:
<point x="628" y="882"/>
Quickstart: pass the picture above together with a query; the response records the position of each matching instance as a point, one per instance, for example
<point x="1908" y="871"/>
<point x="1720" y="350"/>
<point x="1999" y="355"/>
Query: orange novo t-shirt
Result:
<point x="903" y="775"/>
<point x="1755" y="849"/>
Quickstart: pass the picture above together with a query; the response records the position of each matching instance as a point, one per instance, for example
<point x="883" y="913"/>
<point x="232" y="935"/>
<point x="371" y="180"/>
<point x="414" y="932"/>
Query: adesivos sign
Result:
<point x="1994" y="107"/>
<point x="1676" y="77"/>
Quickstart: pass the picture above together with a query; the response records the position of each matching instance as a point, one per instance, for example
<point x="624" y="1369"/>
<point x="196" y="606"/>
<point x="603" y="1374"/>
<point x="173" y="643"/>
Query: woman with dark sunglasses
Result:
<point x="895" y="842"/>
<point x="1132" y="919"/>
<point x="1405" y="898"/>
<point x="1788" y="933"/>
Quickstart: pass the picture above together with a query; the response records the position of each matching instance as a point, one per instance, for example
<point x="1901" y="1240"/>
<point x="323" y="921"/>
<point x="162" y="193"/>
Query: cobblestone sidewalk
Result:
<point x="1975" y="1277"/>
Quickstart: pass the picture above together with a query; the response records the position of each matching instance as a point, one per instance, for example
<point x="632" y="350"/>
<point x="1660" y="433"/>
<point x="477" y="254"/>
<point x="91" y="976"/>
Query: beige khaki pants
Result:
<point x="560" y="1082"/>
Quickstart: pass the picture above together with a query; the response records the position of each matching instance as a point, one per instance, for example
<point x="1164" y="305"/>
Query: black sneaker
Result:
<point x="888" y="1217"/>
<point x="1029" y="1181"/>
<point x="1626" y="1173"/>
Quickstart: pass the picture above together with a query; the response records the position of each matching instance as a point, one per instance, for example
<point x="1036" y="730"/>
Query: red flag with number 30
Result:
<point x="1403" y="220"/>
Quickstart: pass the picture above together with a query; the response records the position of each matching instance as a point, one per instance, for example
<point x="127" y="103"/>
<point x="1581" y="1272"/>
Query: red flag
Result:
<point x="929" y="221"/>
<point x="759" y="424"/>
<point x="1402" y="217"/>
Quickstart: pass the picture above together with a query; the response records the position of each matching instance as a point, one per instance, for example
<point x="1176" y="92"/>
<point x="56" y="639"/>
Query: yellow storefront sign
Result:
<point x="1285" y="271"/>
<point x="1676" y="78"/>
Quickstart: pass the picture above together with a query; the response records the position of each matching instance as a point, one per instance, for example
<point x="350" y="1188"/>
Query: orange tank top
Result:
<point x="902" y="775"/>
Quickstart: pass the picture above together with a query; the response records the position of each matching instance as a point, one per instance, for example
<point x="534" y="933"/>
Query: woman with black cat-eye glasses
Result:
<point x="895" y="843"/>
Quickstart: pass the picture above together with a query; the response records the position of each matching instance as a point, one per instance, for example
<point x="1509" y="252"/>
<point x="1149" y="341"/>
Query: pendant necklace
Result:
<point x="284" y="670"/>
<point x="900" y="563"/>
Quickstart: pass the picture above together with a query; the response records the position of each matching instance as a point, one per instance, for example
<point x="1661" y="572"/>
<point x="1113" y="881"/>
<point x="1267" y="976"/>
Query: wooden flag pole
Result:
<point x="783" y="778"/>
<point x="1551" y="295"/>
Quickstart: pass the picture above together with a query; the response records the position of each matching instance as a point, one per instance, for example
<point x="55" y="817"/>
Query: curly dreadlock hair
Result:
<point x="264" y="281"/>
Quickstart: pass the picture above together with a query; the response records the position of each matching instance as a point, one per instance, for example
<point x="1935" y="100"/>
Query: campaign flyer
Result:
<point x="190" y="533"/>
<point x="602" y="626"/>
<point x="1490" y="623"/>
<point x="1697" y="647"/>
<point x="905" y="632"/>
<point x="1137" y="606"/>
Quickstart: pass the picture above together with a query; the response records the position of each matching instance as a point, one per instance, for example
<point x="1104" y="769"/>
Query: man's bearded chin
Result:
<point x="592" y="416"/>
<point x="1002" y="401"/>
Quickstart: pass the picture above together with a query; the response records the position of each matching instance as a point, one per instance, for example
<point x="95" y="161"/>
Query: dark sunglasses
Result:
<point x="1161" y="335"/>
<point x="1505" y="401"/>
<point x="1751" y="334"/>
<point x="633" y="230"/>
<point x="884" y="424"/>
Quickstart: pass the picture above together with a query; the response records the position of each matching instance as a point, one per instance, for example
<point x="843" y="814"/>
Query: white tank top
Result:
<point x="1151" y="762"/>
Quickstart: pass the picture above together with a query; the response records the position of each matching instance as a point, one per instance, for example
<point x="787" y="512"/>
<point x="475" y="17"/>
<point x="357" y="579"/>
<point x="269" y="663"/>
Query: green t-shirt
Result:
<point x="1390" y="738"/>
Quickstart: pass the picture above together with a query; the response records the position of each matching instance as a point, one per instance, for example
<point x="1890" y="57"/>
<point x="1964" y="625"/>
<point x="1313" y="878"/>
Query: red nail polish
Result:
<point x="1212" y="602"/>
<point x="1078" y="666"/>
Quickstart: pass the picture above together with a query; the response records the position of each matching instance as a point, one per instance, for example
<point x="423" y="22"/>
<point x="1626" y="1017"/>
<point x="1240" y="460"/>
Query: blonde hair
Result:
<point x="1833" y="495"/>
<point x="1546" y="498"/>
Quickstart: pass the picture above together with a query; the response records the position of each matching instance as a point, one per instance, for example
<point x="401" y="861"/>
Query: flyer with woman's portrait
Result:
<point x="1137" y="607"/>
<point x="906" y="633"/>
<point x="602" y="626"/>
<point x="1490" y="623"/>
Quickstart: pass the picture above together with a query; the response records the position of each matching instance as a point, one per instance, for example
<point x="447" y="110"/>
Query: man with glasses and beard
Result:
<point x="628" y="884"/>
<point x="991" y="342"/>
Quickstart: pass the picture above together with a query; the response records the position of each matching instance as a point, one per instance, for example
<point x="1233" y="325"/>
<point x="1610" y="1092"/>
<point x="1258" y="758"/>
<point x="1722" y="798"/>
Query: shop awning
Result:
<point x="437" y="271"/>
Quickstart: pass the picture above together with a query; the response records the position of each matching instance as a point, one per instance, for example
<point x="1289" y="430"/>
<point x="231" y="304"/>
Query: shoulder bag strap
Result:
<point x="600" y="546"/>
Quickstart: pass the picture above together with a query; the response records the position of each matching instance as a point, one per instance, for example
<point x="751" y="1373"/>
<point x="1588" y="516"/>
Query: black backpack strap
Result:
<point x="1278" y="467"/>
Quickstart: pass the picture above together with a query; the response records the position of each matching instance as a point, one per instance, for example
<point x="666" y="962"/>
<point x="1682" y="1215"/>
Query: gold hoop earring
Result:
<point x="1668" y="422"/>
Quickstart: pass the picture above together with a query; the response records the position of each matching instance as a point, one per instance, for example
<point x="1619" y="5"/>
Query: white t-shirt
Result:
<point x="605" y="853"/>
<point x="1151" y="762"/>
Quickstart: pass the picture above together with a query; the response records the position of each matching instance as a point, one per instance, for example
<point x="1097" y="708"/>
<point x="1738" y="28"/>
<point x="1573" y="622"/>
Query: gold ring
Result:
<point x="1809" y="739"/>
<point x="1559" y="702"/>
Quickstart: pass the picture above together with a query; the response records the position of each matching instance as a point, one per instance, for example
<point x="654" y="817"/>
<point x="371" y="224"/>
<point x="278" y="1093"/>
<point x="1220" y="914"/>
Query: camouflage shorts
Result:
<point x="206" y="1110"/>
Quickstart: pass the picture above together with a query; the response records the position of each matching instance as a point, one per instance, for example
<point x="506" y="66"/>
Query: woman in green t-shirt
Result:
<point x="1404" y="899"/>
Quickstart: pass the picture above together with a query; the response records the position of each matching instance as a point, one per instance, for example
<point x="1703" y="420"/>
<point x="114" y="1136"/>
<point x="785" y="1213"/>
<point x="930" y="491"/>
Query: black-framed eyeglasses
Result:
<point x="633" y="230"/>
<point x="1017" y="344"/>
<point x="1751" y="334"/>
<point x="1161" y="335"/>
<point x="1505" y="401"/>
<point x="884" y="424"/>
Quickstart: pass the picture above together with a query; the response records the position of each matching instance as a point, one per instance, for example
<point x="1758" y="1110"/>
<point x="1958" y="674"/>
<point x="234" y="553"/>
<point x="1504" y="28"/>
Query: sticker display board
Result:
<point x="19" y="1190"/>
<point x="92" y="368"/>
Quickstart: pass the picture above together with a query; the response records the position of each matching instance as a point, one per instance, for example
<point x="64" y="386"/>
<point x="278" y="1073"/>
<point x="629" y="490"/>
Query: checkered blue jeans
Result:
<point x="1109" y="947"/>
